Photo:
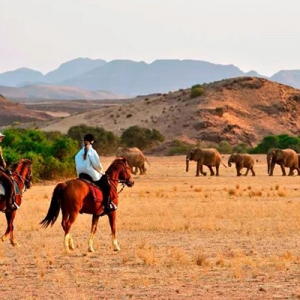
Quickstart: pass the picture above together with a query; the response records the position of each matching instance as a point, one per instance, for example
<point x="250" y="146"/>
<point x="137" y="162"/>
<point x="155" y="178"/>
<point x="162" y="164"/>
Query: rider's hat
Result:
<point x="2" y="135"/>
<point x="89" y="138"/>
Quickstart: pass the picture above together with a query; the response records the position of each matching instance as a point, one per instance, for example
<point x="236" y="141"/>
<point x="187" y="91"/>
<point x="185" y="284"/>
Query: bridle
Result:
<point x="124" y="182"/>
<point x="27" y="180"/>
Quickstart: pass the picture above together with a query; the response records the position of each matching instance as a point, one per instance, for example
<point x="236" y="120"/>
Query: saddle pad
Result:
<point x="96" y="192"/>
<point x="2" y="190"/>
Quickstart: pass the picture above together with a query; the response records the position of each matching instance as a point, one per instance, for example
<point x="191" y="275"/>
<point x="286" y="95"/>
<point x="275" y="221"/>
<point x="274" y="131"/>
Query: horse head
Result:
<point x="23" y="170"/>
<point x="121" y="171"/>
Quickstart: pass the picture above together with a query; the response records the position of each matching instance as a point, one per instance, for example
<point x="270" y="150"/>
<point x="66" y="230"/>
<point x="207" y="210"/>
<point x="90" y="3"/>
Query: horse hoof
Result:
<point x="15" y="244"/>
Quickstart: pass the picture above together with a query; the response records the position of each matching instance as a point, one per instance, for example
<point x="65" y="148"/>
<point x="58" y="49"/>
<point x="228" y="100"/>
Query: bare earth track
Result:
<point x="181" y="237"/>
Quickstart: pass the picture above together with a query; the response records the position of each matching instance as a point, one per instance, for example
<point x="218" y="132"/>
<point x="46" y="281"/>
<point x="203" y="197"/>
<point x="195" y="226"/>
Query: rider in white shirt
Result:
<point x="87" y="161"/>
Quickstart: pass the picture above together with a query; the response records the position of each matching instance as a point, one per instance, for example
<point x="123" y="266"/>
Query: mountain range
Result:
<point x="85" y="78"/>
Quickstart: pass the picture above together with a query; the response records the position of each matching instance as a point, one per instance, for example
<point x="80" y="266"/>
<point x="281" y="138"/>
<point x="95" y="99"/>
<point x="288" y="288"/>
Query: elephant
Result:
<point x="135" y="157"/>
<point x="209" y="157"/>
<point x="286" y="158"/>
<point x="242" y="161"/>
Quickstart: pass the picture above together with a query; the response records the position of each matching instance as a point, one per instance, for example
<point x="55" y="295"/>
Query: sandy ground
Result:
<point x="181" y="237"/>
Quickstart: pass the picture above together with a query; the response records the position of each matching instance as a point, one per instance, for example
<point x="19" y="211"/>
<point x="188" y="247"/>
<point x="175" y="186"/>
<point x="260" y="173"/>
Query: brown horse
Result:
<point x="74" y="196"/>
<point x="21" y="174"/>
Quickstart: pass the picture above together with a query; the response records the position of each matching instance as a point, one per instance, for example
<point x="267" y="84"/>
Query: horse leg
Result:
<point x="93" y="232"/>
<point x="10" y="228"/>
<point x="66" y="224"/>
<point x="112" y="223"/>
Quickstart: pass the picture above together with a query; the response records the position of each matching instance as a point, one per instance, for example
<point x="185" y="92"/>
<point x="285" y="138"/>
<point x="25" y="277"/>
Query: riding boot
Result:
<point x="10" y="204"/>
<point x="109" y="206"/>
<point x="105" y="187"/>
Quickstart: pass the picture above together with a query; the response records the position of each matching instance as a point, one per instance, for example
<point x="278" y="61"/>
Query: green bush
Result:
<point x="282" y="141"/>
<point x="52" y="153"/>
<point x="196" y="91"/>
<point x="241" y="148"/>
<point x="179" y="147"/>
<point x="142" y="138"/>
<point x="106" y="142"/>
<point x="224" y="147"/>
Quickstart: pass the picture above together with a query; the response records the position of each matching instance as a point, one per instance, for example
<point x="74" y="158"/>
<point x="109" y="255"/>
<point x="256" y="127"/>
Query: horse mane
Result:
<point x="14" y="166"/>
<point x="19" y="164"/>
<point x="116" y="164"/>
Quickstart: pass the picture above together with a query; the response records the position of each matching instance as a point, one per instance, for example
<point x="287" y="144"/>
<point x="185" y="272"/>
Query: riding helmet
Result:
<point x="89" y="138"/>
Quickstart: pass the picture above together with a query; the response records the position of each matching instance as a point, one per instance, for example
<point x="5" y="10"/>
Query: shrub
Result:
<point x="280" y="141"/>
<point x="142" y="138"/>
<point x="196" y="91"/>
<point x="178" y="147"/>
<point x="219" y="111"/>
<point x="241" y="148"/>
<point x="106" y="141"/>
<point x="224" y="147"/>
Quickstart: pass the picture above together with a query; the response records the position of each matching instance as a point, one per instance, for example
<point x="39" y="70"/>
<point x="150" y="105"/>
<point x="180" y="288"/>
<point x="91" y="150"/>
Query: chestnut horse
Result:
<point x="74" y="196"/>
<point x="21" y="174"/>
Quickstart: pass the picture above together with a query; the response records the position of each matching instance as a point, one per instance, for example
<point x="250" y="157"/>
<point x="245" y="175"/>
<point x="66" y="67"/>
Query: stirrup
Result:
<point x="110" y="208"/>
<point x="13" y="207"/>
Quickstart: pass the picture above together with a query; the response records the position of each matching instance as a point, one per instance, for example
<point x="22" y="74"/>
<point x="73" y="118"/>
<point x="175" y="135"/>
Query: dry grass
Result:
<point x="181" y="236"/>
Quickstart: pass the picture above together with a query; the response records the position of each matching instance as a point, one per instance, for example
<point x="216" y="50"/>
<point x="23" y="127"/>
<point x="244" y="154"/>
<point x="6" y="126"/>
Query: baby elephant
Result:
<point x="242" y="161"/>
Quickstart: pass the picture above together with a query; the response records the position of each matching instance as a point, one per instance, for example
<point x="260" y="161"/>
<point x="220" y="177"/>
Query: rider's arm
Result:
<point x="95" y="160"/>
<point x="2" y="160"/>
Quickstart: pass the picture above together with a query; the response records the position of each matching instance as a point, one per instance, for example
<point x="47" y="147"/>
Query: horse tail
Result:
<point x="55" y="205"/>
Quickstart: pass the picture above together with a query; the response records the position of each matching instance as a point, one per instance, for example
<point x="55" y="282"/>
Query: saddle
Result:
<point x="94" y="189"/>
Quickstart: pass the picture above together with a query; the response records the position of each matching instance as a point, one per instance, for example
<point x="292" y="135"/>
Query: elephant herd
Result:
<point x="211" y="158"/>
<point x="286" y="158"/>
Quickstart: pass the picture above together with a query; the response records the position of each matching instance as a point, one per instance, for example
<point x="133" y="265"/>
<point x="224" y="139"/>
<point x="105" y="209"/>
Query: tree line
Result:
<point x="53" y="152"/>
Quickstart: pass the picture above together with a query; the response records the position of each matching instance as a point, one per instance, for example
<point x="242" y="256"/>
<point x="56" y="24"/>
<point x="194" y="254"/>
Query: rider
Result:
<point x="7" y="182"/>
<point x="87" y="161"/>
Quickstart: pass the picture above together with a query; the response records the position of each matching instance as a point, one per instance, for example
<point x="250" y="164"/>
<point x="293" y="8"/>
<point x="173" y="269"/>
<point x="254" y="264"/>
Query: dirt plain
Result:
<point x="181" y="237"/>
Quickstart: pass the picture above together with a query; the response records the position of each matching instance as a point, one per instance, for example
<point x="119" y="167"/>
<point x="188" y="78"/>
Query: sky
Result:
<point x="255" y="35"/>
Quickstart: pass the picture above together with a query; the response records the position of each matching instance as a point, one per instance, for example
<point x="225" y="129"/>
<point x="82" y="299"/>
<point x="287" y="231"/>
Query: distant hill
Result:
<point x="11" y="112"/>
<point x="239" y="110"/>
<point x="33" y="92"/>
<point x="72" y="69"/>
<point x="132" y="78"/>
<point x="14" y="78"/>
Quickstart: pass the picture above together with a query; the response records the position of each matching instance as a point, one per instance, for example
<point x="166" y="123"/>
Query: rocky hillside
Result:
<point x="11" y="112"/>
<point x="243" y="109"/>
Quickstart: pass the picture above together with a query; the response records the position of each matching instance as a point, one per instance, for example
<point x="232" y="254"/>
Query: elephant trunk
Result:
<point x="229" y="162"/>
<point x="187" y="164"/>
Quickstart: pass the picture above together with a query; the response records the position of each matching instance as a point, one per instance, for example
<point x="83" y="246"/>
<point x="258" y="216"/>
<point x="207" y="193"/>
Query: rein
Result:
<point x="122" y="181"/>
<point x="24" y="180"/>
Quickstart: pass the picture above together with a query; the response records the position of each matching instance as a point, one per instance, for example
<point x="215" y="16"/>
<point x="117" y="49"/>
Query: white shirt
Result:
<point x="91" y="165"/>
